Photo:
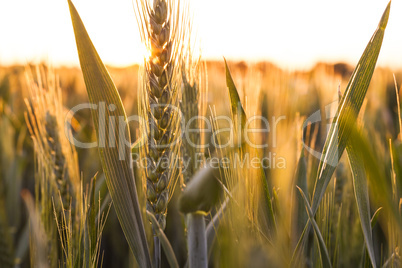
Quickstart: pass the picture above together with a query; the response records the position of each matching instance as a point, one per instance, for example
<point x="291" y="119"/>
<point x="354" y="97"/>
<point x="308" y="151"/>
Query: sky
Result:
<point x="289" y="33"/>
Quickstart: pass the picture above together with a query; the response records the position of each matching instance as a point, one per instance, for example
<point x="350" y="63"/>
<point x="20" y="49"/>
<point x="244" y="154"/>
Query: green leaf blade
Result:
<point x="300" y="215"/>
<point x="326" y="262"/>
<point x="115" y="152"/>
<point x="235" y="103"/>
<point x="239" y="117"/>
<point x="348" y="111"/>
<point x="360" y="188"/>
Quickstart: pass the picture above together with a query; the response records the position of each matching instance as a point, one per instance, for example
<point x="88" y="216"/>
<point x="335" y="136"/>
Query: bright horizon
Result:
<point x="290" y="33"/>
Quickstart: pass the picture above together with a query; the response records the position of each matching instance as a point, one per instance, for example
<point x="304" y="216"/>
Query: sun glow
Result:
<point x="289" y="33"/>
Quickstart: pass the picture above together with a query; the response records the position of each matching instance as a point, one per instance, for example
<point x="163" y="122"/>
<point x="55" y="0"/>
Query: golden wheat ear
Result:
<point x="162" y="29"/>
<point x="57" y="180"/>
<point x="45" y="119"/>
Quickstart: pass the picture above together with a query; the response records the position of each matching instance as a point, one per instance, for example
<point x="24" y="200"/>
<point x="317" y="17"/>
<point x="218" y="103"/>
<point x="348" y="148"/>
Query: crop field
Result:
<point x="186" y="162"/>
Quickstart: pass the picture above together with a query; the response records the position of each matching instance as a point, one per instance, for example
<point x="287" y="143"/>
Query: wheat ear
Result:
<point x="162" y="29"/>
<point x="45" y="120"/>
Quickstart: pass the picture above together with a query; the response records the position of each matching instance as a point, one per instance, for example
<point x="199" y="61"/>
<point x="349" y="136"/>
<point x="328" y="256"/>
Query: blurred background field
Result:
<point x="265" y="90"/>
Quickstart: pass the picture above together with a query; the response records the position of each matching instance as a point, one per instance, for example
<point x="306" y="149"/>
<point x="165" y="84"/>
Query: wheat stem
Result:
<point x="197" y="241"/>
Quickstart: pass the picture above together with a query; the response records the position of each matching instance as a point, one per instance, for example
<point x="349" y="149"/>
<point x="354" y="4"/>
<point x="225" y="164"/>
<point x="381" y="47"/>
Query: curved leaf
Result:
<point x="202" y="192"/>
<point x="114" y="150"/>
<point x="167" y="247"/>
<point x="375" y="217"/>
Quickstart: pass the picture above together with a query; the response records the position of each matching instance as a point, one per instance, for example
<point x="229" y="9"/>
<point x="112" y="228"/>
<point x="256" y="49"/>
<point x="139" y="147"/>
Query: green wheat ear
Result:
<point x="162" y="33"/>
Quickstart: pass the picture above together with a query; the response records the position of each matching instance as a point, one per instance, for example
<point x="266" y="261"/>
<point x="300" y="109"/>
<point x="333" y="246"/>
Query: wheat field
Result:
<point x="186" y="162"/>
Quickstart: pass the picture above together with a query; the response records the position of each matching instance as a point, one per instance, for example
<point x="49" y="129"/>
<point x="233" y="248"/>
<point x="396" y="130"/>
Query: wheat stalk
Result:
<point x="64" y="208"/>
<point x="191" y="107"/>
<point x="45" y="120"/>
